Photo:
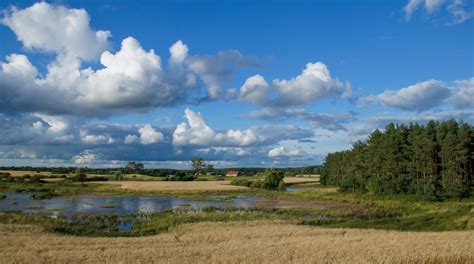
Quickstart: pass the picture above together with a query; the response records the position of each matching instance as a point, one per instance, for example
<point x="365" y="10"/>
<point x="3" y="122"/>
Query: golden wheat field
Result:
<point x="175" y="186"/>
<point x="301" y="180"/>
<point x="16" y="173"/>
<point x="243" y="242"/>
<point x="179" y="186"/>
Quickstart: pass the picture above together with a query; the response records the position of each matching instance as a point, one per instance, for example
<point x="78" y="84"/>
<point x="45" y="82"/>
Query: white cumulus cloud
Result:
<point x="55" y="28"/>
<point x="130" y="79"/>
<point x="96" y="139"/>
<point x="285" y="152"/>
<point x="84" y="158"/>
<point x="458" y="10"/>
<point x="148" y="135"/>
<point x="314" y="82"/>
<point x="419" y="97"/>
<point x="178" y="52"/>
<point x="464" y="98"/>
<point x="197" y="132"/>
<point x="129" y="139"/>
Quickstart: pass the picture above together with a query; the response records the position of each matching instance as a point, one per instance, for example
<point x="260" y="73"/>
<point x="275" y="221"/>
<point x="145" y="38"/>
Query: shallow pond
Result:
<point x="115" y="204"/>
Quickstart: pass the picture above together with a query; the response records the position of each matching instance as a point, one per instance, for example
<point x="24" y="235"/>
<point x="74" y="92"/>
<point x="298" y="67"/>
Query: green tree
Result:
<point x="209" y="168"/>
<point x="80" y="176"/>
<point x="273" y="180"/>
<point x="134" y="167"/>
<point x="197" y="164"/>
<point x="435" y="161"/>
<point x="118" y="175"/>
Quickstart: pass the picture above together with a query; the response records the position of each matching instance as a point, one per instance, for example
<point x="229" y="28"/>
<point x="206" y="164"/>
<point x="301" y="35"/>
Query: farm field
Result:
<point x="18" y="173"/>
<point x="251" y="242"/>
<point x="301" y="180"/>
<point x="46" y="174"/>
<point x="196" y="186"/>
<point x="189" y="221"/>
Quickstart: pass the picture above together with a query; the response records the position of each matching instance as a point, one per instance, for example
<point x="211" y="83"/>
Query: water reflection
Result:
<point x="114" y="204"/>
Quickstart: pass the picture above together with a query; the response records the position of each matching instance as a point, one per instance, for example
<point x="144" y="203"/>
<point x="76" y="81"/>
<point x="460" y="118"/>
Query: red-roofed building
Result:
<point x="232" y="174"/>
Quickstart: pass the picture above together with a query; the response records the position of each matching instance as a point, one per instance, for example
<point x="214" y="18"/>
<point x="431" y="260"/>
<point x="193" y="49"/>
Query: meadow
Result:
<point x="308" y="223"/>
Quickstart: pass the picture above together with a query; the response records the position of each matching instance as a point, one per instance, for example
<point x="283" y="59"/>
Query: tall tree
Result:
<point x="197" y="164"/>
<point x="435" y="160"/>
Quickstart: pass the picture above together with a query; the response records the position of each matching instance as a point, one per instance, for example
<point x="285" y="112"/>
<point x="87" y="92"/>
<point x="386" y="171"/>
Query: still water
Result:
<point x="116" y="204"/>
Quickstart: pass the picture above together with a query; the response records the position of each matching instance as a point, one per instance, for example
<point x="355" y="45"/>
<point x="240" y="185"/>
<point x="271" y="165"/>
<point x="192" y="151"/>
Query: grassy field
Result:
<point x="246" y="242"/>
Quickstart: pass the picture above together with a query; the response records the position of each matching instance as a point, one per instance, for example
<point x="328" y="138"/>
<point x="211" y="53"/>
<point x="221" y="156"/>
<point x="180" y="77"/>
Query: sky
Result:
<point x="238" y="83"/>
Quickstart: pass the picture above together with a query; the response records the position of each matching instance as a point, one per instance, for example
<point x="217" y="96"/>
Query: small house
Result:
<point x="232" y="174"/>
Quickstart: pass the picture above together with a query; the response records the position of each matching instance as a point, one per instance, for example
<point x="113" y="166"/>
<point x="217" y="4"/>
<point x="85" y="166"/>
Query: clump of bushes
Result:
<point x="273" y="181"/>
<point x="6" y="177"/>
<point x="180" y="176"/>
<point x="241" y="182"/>
<point x="118" y="175"/>
<point x="42" y="195"/>
<point x="82" y="177"/>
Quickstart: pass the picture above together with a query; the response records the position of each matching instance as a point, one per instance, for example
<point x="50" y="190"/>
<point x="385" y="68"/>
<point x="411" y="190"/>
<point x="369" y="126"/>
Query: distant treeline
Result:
<point x="161" y="172"/>
<point x="287" y="171"/>
<point x="100" y="171"/>
<point x="435" y="160"/>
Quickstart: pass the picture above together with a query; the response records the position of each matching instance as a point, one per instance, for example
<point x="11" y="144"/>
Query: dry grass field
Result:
<point x="195" y="186"/>
<point x="179" y="186"/>
<point x="300" y="180"/>
<point x="244" y="242"/>
<point x="23" y="173"/>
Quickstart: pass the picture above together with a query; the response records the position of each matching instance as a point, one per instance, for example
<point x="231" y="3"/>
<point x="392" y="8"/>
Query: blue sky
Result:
<point x="366" y="64"/>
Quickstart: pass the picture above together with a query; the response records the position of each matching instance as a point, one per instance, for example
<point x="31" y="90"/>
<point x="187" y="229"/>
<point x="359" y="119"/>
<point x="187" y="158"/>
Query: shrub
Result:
<point x="42" y="195"/>
<point x="36" y="179"/>
<point x="81" y="177"/>
<point x="97" y="178"/>
<point x="180" y="176"/>
<point x="431" y="193"/>
<point x="281" y="186"/>
<point x="273" y="179"/>
<point x="241" y="182"/>
<point x="257" y="184"/>
<point x="374" y="186"/>
<point x="118" y="175"/>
